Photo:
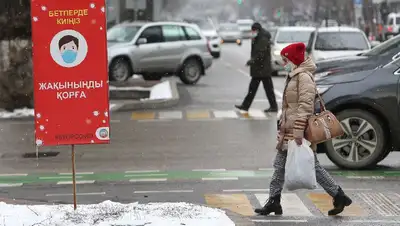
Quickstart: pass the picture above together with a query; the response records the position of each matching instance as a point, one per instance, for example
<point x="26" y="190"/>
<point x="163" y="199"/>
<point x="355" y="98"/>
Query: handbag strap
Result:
<point x="321" y="101"/>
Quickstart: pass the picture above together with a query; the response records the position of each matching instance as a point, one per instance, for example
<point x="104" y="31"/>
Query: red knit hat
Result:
<point x="295" y="53"/>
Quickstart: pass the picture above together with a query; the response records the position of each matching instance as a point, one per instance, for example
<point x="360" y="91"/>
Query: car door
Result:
<point x="148" y="54"/>
<point x="173" y="47"/>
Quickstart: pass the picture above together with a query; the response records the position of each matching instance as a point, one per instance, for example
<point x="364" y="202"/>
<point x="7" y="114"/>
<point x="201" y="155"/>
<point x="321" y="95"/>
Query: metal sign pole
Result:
<point x="73" y="174"/>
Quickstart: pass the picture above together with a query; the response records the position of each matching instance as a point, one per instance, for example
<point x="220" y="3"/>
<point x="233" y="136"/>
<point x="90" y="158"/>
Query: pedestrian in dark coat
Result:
<point x="260" y="69"/>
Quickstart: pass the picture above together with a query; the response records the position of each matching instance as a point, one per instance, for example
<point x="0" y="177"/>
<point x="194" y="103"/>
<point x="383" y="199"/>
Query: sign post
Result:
<point x="70" y="74"/>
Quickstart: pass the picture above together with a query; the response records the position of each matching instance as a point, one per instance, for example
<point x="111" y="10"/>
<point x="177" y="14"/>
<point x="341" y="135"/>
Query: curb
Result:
<point x="238" y="219"/>
<point x="127" y="105"/>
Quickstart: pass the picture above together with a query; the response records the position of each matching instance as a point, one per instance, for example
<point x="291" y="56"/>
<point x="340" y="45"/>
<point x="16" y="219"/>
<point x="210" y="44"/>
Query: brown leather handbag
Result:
<point x="322" y="126"/>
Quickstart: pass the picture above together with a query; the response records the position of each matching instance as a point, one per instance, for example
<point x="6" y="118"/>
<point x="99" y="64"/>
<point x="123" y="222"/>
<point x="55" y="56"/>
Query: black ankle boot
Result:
<point x="340" y="201"/>
<point x="273" y="205"/>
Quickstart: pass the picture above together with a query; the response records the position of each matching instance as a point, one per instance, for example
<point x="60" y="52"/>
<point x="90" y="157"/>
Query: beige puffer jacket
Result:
<point x="297" y="105"/>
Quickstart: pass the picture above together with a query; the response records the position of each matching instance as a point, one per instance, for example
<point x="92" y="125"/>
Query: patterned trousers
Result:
<point x="278" y="178"/>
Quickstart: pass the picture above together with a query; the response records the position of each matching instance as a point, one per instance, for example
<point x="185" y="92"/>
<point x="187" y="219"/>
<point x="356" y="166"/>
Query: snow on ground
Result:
<point x="161" y="91"/>
<point x="17" y="113"/>
<point x="112" y="214"/>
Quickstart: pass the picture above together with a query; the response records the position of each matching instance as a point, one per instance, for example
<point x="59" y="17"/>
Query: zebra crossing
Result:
<point x="312" y="204"/>
<point x="201" y="115"/>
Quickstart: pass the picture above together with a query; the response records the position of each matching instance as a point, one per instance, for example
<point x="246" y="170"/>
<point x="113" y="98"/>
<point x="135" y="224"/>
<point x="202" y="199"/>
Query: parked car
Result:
<point x="282" y="37"/>
<point x="210" y="32"/>
<point x="367" y="103"/>
<point x="230" y="32"/>
<point x="380" y="55"/>
<point x="245" y="27"/>
<point x="331" y="42"/>
<point x="392" y="27"/>
<point x="157" y="49"/>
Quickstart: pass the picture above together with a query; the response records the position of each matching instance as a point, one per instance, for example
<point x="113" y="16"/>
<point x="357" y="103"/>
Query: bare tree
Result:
<point x="16" y="88"/>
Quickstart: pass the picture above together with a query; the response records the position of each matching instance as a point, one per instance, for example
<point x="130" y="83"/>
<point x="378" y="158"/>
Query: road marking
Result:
<point x="147" y="175"/>
<point x="225" y="114"/>
<point x="382" y="204"/>
<point x="170" y="115"/>
<point x="348" y="189"/>
<point x="291" y="203"/>
<point x="115" y="121"/>
<point x="366" y="177"/>
<point x="80" y="194"/>
<point x="206" y="120"/>
<point x="14" y="175"/>
<point x="56" y="178"/>
<point x="143" y="115"/>
<point x="78" y="173"/>
<point x="212" y="170"/>
<point x="112" y="106"/>
<point x="197" y="114"/>
<point x="238" y="203"/>
<point x="77" y="182"/>
<point x="170" y="191"/>
<point x="323" y="202"/>
<point x="219" y="178"/>
<point x="143" y="171"/>
<point x="11" y="185"/>
<point x="149" y="180"/>
<point x="253" y="113"/>
<point x="246" y="190"/>
<point x="278" y="221"/>
<point x="266" y="169"/>
<point x="243" y="72"/>
<point x="154" y="120"/>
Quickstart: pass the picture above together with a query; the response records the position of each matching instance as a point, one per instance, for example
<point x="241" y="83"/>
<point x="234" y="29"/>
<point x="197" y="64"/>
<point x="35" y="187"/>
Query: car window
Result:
<point x="293" y="36"/>
<point x="173" y="33"/>
<point x="397" y="20"/>
<point x="389" y="46"/>
<point x="192" y="33"/>
<point x="229" y="27"/>
<point x="391" y="21"/>
<point x="122" y="33"/>
<point x="152" y="34"/>
<point x="336" y="41"/>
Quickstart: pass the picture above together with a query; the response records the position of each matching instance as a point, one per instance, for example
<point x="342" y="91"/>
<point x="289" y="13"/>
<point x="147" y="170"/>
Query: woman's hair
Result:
<point x="66" y="39"/>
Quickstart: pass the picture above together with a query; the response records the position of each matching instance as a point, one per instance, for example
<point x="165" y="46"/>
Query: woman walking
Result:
<point x="297" y="107"/>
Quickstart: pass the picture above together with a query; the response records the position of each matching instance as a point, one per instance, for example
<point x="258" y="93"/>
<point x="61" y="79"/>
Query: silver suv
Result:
<point x="157" y="49"/>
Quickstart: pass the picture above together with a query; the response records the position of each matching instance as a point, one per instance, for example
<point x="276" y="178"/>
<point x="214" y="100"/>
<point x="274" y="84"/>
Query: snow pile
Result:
<point x="113" y="214"/>
<point x="161" y="91"/>
<point x="17" y="113"/>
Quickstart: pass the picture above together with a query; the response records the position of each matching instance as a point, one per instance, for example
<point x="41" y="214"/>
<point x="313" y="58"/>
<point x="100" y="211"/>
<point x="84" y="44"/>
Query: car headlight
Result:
<point x="321" y="89"/>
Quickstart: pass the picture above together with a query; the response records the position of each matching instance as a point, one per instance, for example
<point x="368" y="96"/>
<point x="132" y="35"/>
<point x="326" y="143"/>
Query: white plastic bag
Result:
<point x="300" y="167"/>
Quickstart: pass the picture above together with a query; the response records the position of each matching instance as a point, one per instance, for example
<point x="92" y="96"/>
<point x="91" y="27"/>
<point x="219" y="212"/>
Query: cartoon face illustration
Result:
<point x="68" y="46"/>
<point x="103" y="133"/>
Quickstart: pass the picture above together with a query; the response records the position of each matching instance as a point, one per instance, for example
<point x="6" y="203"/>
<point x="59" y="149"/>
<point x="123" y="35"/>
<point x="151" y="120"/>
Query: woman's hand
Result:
<point x="299" y="141"/>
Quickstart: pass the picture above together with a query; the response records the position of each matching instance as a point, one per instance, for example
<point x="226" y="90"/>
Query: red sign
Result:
<point x="70" y="72"/>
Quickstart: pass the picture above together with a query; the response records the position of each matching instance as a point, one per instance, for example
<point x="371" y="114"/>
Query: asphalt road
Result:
<point x="201" y="151"/>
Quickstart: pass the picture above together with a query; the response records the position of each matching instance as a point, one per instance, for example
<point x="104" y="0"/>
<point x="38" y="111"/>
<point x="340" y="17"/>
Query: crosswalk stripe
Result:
<point x="323" y="202"/>
<point x="225" y="114"/>
<point x="170" y="115"/>
<point x="198" y="114"/>
<point x="291" y="203"/>
<point x="238" y="203"/>
<point x="143" y="115"/>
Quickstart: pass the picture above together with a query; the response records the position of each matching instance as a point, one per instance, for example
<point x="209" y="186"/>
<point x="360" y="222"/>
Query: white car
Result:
<point x="230" y="32"/>
<point x="214" y="41"/>
<point x="282" y="37"/>
<point x="245" y="27"/>
<point x="332" y="42"/>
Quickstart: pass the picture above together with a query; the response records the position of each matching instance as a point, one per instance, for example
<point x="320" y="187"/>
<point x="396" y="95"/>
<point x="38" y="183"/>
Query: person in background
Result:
<point x="297" y="106"/>
<point x="260" y="69"/>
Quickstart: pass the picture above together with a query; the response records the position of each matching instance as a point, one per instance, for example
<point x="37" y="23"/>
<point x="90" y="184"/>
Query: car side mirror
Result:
<point x="141" y="41"/>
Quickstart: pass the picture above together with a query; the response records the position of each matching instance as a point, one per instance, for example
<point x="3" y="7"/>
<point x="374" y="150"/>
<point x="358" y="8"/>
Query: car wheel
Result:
<point x="152" y="77"/>
<point x="191" y="71"/>
<point x="363" y="144"/>
<point x="120" y="70"/>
